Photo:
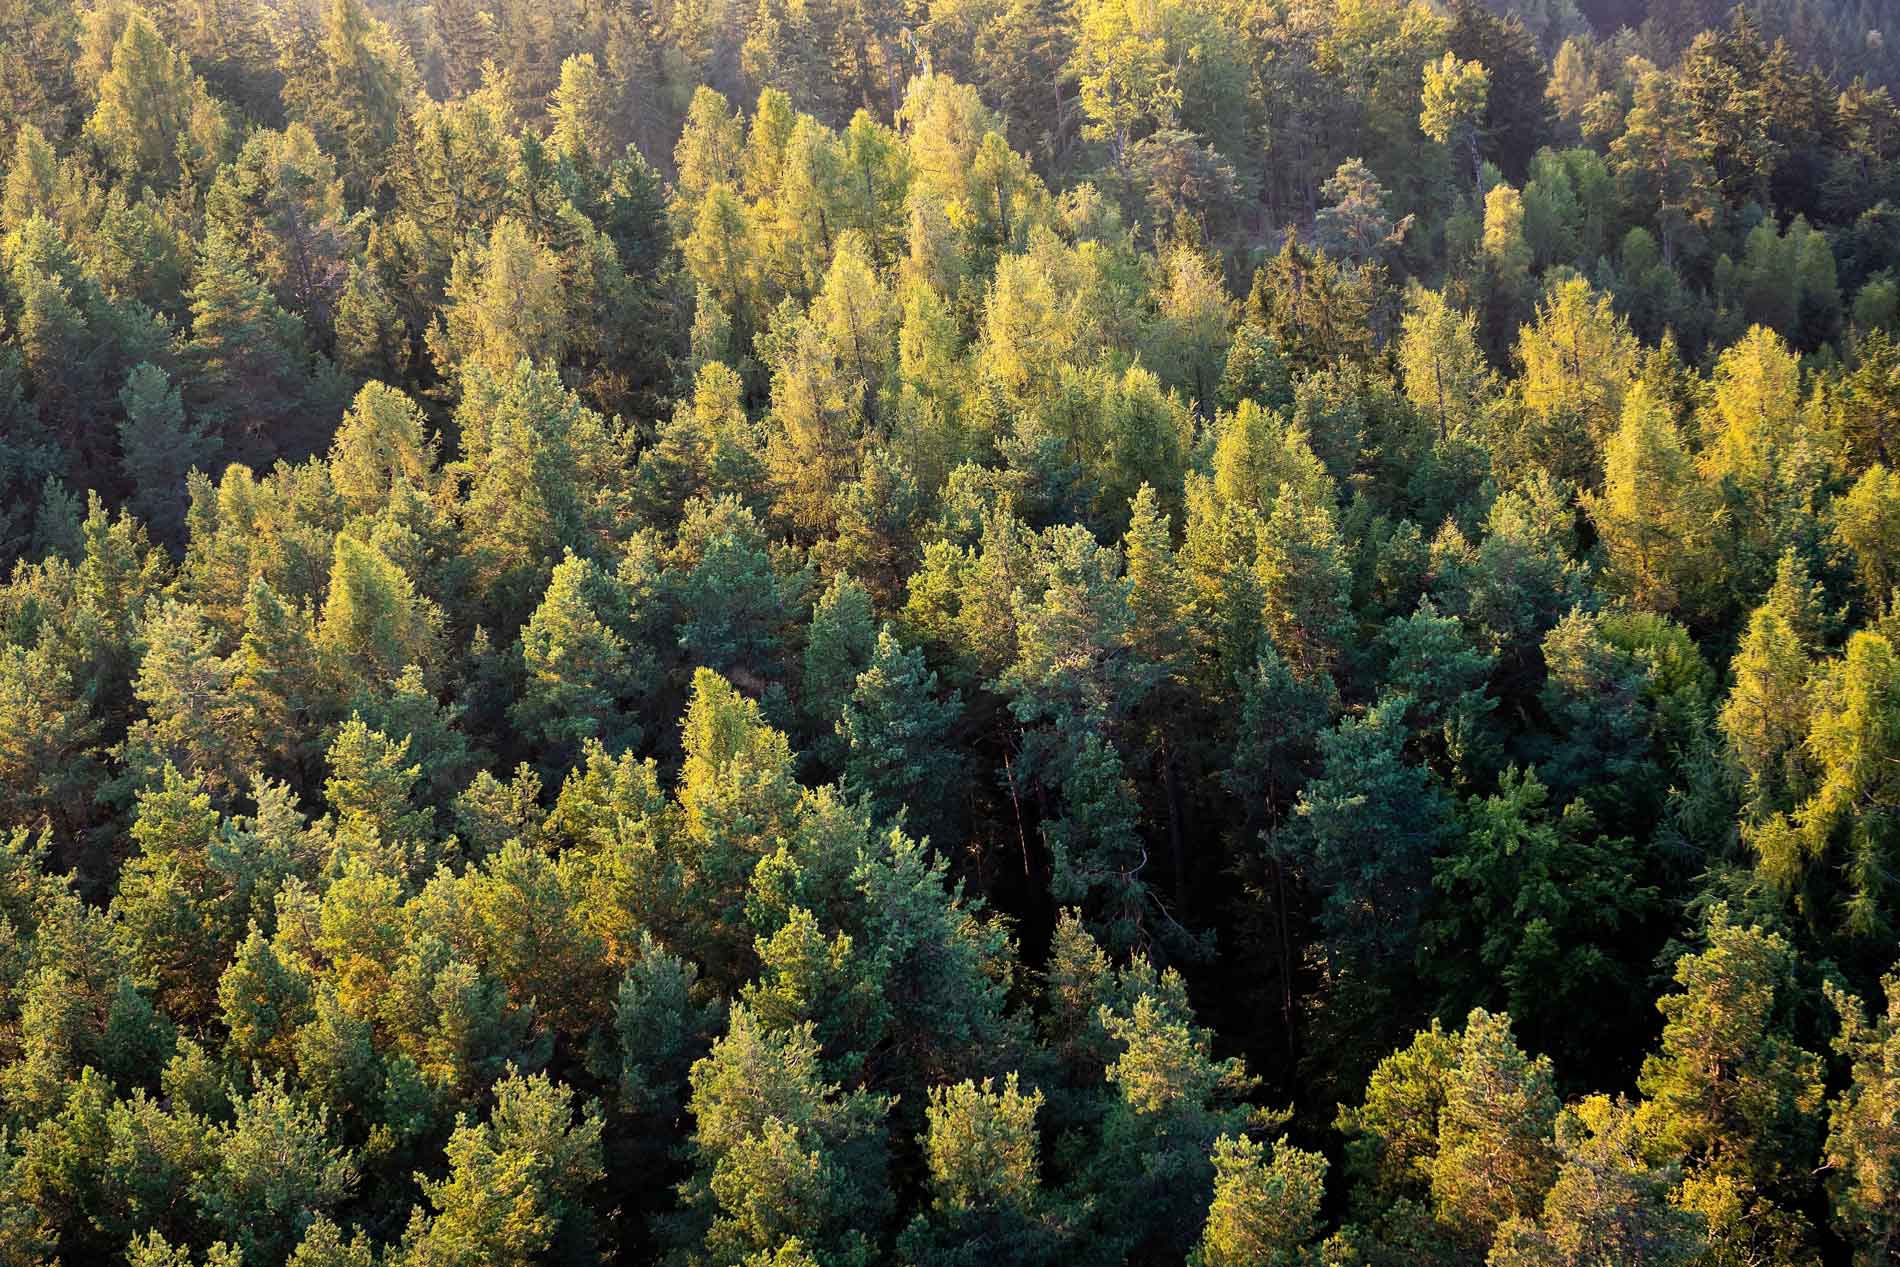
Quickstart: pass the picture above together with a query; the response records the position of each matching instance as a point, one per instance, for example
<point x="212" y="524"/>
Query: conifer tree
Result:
<point x="516" y="1191"/>
<point x="157" y="448"/>
<point x="154" y="120"/>
<point x="506" y="303"/>
<point x="1731" y="1090"/>
<point x="246" y="355"/>
<point x="1652" y="514"/>
<point x="1495" y="1157"/>
<point x="276" y="1173"/>
<point x="983" y="1152"/>
<point x="374" y="624"/>
<point x="579" y="674"/>
<point x="838" y="647"/>
<point x="897" y="729"/>
<point x="1367" y="826"/>
<point x="1607" y="1204"/>
<point x="780" y="1156"/>
<point x="178" y="908"/>
<point x="1444" y="370"/>
<point x="1265" y="1209"/>
<point x="1862" y="1154"/>
<point x="1851" y="740"/>
<point x="1453" y="105"/>
<point x="349" y="87"/>
<point x="1305" y="583"/>
<point x="191" y="708"/>
<point x="1765" y="718"/>
<point x="1578" y="359"/>
<point x="1867" y="522"/>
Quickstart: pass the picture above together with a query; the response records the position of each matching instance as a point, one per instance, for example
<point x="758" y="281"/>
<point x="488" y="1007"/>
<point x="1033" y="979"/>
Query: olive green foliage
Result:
<point x="959" y="633"/>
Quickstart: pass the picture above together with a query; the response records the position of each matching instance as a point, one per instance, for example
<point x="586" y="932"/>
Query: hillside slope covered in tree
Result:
<point x="1249" y="633"/>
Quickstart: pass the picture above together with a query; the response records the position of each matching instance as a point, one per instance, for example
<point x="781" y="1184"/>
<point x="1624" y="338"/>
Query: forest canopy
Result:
<point x="1221" y="633"/>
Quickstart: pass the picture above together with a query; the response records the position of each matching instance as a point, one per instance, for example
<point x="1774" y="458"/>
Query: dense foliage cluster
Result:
<point x="1257" y="633"/>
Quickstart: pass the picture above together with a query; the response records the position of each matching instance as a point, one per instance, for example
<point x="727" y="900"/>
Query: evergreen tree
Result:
<point x="1265" y="1210"/>
<point x="983" y="1152"/>
<point x="1367" y="827"/>
<point x="780" y="1156"/>
<point x="157" y="449"/>
<point x="1861" y="1151"/>
<point x="276" y="1173"/>
<point x="578" y="671"/>
<point x="249" y="381"/>
<point x="517" y="1183"/>
<point x="838" y="647"/>
<point x="1607" y="1204"/>
<point x="1732" y="1092"/>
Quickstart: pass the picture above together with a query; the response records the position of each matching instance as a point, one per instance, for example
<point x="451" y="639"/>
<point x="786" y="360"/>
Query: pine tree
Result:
<point x="177" y="906"/>
<point x="263" y="1000"/>
<point x="158" y="447"/>
<point x="1607" y="1204"/>
<point x="544" y="473"/>
<point x="1265" y="1211"/>
<point x="276" y="1173"/>
<point x="517" y="1186"/>
<point x="579" y="673"/>
<point x="660" y="1026"/>
<point x="1862" y="1152"/>
<point x="983" y="1152"/>
<point x="780" y="1156"/>
<point x="1367" y="827"/>
<point x="324" y="1246"/>
<point x="278" y="683"/>
<point x="1732" y="1091"/>
<point x="1495" y="1157"/>
<point x="1155" y="1172"/>
<point x="371" y="791"/>
<point x="526" y="918"/>
<point x="191" y="707"/>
